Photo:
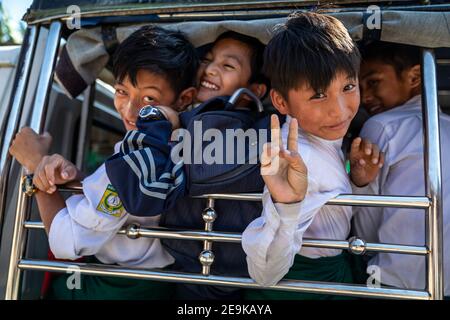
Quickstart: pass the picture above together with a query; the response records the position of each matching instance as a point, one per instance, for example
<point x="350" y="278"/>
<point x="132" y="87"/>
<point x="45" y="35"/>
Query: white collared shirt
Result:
<point x="398" y="132"/>
<point x="272" y="240"/>
<point x="83" y="228"/>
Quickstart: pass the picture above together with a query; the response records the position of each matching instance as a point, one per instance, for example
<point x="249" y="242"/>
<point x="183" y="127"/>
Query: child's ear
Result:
<point x="185" y="98"/>
<point x="415" y="77"/>
<point x="279" y="102"/>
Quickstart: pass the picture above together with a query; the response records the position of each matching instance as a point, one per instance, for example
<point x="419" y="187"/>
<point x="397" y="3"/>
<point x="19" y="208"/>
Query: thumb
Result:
<point x="69" y="172"/>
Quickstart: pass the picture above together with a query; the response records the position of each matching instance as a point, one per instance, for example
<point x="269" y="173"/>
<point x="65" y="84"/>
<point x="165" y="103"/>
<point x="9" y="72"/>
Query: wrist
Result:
<point x="32" y="164"/>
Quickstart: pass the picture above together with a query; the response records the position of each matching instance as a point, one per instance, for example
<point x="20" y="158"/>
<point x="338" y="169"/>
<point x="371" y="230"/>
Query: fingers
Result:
<point x="47" y="174"/>
<point x="275" y="131"/>
<point x="293" y="136"/>
<point x="270" y="151"/>
<point x="68" y="172"/>
<point x="265" y="156"/>
<point x="40" y="176"/>
<point x="355" y="145"/>
<point x="294" y="159"/>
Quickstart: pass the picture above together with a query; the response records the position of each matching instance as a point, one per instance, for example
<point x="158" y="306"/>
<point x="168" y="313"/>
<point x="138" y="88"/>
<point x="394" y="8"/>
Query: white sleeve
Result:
<point x="272" y="240"/>
<point x="89" y="220"/>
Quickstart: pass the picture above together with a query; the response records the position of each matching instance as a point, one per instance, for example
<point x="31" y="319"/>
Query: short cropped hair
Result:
<point x="309" y="49"/>
<point x="399" y="56"/>
<point x="160" y="51"/>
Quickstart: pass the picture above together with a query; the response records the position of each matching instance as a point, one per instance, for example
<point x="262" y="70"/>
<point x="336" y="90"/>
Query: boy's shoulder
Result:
<point x="392" y="119"/>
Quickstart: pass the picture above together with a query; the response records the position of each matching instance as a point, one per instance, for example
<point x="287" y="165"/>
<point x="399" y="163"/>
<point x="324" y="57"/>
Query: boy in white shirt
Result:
<point x="151" y="66"/>
<point x="313" y="66"/>
<point x="390" y="82"/>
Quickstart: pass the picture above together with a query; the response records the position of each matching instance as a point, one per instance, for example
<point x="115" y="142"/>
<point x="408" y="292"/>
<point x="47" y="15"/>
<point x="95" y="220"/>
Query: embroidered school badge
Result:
<point x="110" y="203"/>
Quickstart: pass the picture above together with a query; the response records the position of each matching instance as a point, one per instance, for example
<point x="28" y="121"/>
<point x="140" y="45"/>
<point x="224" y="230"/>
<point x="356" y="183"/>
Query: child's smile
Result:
<point x="224" y="69"/>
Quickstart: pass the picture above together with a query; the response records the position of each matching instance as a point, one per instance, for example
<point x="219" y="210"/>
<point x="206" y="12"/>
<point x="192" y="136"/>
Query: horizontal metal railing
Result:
<point x="342" y="199"/>
<point x="241" y="282"/>
<point x="135" y="231"/>
<point x="355" y="246"/>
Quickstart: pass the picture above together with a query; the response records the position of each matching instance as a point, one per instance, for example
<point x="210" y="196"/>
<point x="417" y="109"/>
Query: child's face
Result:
<point x="327" y="114"/>
<point x="381" y="87"/>
<point x="224" y="69"/>
<point x="151" y="89"/>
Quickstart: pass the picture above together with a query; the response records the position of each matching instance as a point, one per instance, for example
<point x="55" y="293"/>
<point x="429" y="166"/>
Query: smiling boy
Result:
<point x="152" y="65"/>
<point x="231" y="62"/>
<point x="391" y="91"/>
<point x="313" y="66"/>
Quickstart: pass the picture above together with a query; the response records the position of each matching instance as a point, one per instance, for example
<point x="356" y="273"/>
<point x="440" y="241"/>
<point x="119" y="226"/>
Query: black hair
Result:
<point x="399" y="56"/>
<point x="256" y="56"/>
<point x="160" y="51"/>
<point x="309" y="49"/>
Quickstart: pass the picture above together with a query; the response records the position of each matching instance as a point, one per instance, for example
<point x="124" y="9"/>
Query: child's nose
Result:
<point x="211" y="69"/>
<point x="132" y="110"/>
<point x="366" y="97"/>
<point x="337" y="107"/>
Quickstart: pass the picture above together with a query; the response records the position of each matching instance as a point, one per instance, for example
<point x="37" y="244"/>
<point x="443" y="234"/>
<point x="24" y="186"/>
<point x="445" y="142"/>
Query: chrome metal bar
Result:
<point x="443" y="61"/>
<point x="285" y="285"/>
<point x="433" y="180"/>
<point x="14" y="110"/>
<point x="342" y="199"/>
<point x="381" y="201"/>
<point x="85" y="121"/>
<point x="37" y="124"/>
<point x="239" y="92"/>
<point x="46" y="77"/>
<point x="17" y="247"/>
<point x="206" y="257"/>
<point x="216" y="236"/>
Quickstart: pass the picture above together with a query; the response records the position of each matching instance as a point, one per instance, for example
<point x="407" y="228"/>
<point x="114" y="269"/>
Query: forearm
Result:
<point x="49" y="205"/>
<point x="270" y="242"/>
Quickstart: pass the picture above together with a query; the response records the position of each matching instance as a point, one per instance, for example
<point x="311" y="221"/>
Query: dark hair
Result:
<point x="256" y="56"/>
<point x="166" y="53"/>
<point x="400" y="56"/>
<point x="309" y="49"/>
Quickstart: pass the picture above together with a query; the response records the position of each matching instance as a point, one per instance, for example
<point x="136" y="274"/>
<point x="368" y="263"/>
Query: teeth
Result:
<point x="209" y="85"/>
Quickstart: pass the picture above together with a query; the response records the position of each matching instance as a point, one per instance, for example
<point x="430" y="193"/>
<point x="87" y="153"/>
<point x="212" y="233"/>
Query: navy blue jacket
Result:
<point x="168" y="188"/>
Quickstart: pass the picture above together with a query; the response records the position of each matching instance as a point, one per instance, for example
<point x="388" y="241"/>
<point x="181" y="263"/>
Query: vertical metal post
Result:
<point x="85" y="120"/>
<point x="432" y="158"/>
<point x="37" y="124"/>
<point x="206" y="257"/>
<point x="15" y="110"/>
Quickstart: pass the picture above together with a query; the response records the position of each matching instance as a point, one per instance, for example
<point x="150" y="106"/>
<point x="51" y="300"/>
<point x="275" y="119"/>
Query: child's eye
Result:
<point x="149" y="99"/>
<point x="349" y="87"/>
<point x="121" y="92"/>
<point x="229" y="67"/>
<point x="205" y="60"/>
<point x="318" y="95"/>
<point x="372" y="83"/>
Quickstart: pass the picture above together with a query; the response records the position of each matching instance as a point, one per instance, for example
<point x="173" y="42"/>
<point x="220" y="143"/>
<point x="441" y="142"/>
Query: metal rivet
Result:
<point x="209" y="215"/>
<point x="133" y="231"/>
<point x="206" y="258"/>
<point x="357" y="246"/>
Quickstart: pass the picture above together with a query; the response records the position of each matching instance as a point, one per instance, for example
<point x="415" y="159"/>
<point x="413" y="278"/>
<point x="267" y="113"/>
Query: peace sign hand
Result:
<point x="283" y="171"/>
